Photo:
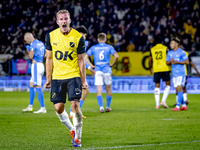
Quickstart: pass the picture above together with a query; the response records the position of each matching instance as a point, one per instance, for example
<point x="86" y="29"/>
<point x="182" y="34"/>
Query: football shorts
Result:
<point x="101" y="78"/>
<point x="179" y="81"/>
<point x="37" y="71"/>
<point x="161" y="75"/>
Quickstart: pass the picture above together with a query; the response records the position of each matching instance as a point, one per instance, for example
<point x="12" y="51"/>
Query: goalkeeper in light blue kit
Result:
<point x="177" y="58"/>
<point x="36" y="52"/>
<point x="101" y="54"/>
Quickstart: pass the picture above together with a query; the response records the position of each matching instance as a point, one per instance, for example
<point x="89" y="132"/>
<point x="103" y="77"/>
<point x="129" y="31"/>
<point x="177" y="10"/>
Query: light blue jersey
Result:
<point x="39" y="49"/>
<point x="180" y="56"/>
<point x="101" y="55"/>
<point x="86" y="46"/>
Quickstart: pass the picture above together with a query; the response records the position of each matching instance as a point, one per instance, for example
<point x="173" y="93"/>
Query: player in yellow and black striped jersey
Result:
<point x="161" y="70"/>
<point x="65" y="50"/>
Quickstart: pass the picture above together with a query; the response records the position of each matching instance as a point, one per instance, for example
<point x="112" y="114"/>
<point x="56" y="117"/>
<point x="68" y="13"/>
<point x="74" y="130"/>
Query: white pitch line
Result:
<point x="142" y="145"/>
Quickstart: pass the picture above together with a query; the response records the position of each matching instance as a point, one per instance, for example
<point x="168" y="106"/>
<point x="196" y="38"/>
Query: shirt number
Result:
<point x="158" y="55"/>
<point x="101" y="55"/>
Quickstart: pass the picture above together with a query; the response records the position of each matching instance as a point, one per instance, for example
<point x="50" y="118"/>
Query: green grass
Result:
<point x="133" y="123"/>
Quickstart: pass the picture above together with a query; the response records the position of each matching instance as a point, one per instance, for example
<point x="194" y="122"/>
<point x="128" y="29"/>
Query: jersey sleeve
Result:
<point x="81" y="46"/>
<point x="47" y="42"/>
<point x="28" y="47"/>
<point x="89" y="52"/>
<point x="168" y="57"/>
<point x="113" y="50"/>
<point x="184" y="56"/>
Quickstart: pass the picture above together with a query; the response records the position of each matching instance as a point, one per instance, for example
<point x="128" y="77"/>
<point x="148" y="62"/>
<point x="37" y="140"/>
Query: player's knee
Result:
<point x="75" y="106"/>
<point x="59" y="109"/>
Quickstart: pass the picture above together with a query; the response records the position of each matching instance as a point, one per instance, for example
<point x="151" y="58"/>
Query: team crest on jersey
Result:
<point x="176" y="55"/>
<point x="71" y="44"/>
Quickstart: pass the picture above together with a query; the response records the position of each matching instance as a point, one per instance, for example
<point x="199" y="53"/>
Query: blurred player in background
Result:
<point x="101" y="55"/>
<point x="185" y="97"/>
<point x="158" y="55"/>
<point x="177" y="58"/>
<point x="65" y="51"/>
<point x="36" y="52"/>
<point x="83" y="31"/>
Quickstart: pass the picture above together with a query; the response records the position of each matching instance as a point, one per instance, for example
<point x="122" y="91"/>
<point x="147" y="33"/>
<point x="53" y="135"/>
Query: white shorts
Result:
<point x="37" y="71"/>
<point x="179" y="81"/>
<point x="101" y="78"/>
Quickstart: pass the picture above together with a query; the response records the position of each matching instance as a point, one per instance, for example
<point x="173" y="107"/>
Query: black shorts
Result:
<point x="59" y="89"/>
<point x="186" y="81"/>
<point x="161" y="75"/>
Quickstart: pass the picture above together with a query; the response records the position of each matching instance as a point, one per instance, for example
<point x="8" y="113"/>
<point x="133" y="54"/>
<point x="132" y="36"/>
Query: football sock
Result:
<point x="183" y="102"/>
<point x="100" y="100"/>
<point x="180" y="98"/>
<point x="81" y="103"/>
<point x="70" y="109"/>
<point x="166" y="93"/>
<point x="108" y="98"/>
<point x="176" y="98"/>
<point x="40" y="96"/>
<point x="64" y="118"/>
<point x="157" y="96"/>
<point x="32" y="96"/>
<point x="77" y="121"/>
<point x="185" y="97"/>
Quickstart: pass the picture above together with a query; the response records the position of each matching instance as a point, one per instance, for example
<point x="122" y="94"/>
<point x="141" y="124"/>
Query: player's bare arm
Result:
<point x="81" y="64"/>
<point x="115" y="59"/>
<point x="185" y="62"/>
<point x="88" y="61"/>
<point x="49" y="68"/>
<point x="150" y="64"/>
<point x="193" y="66"/>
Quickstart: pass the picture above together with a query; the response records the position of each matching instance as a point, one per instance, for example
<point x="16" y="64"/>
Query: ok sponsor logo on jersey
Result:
<point x="59" y="55"/>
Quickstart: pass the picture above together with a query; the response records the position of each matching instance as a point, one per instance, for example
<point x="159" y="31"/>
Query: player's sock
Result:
<point x="40" y="96"/>
<point x="70" y="109"/>
<point x="108" y="98"/>
<point x="165" y="94"/>
<point x="64" y="118"/>
<point x="32" y="96"/>
<point x="180" y="98"/>
<point x="157" y="96"/>
<point x="100" y="100"/>
<point x="185" y="97"/>
<point x="77" y="121"/>
<point x="81" y="103"/>
<point x="176" y="98"/>
<point x="183" y="102"/>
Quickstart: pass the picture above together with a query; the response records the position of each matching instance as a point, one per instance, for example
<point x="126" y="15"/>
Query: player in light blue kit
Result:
<point x="82" y="30"/>
<point x="177" y="58"/>
<point x="101" y="55"/>
<point x="36" y="51"/>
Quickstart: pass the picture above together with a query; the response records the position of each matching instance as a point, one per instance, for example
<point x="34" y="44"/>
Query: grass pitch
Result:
<point x="133" y="123"/>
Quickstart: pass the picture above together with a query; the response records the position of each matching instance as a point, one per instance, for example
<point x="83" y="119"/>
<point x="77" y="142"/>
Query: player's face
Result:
<point x="63" y="21"/>
<point x="173" y="45"/>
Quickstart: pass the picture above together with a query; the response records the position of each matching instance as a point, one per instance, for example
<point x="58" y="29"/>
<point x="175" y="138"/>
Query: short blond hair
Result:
<point x="63" y="11"/>
<point x="101" y="36"/>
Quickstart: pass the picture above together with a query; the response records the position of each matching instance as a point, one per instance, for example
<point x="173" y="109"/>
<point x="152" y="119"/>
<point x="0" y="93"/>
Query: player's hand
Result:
<point x="93" y="66"/>
<point x="47" y="85"/>
<point x="111" y="65"/>
<point x="151" y="71"/>
<point x="92" y="70"/>
<point x="84" y="85"/>
<point x="173" y="61"/>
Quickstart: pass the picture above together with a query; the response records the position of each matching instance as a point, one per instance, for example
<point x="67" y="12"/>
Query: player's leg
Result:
<point x="157" y="77"/>
<point x="31" y="98"/>
<point x="99" y="83"/>
<point x="108" y="82"/>
<point x="74" y="95"/>
<point x="32" y="91"/>
<point x="166" y="78"/>
<point x="58" y="97"/>
<point x="185" y="93"/>
<point x="85" y="92"/>
<point x="39" y="71"/>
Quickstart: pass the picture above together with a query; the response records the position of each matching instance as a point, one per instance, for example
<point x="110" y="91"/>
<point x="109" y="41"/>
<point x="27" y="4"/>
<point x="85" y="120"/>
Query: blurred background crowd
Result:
<point x="130" y="25"/>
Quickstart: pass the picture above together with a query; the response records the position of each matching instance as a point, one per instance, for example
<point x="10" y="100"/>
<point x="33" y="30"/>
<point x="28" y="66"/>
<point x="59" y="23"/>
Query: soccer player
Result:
<point x="36" y="51"/>
<point x="177" y="58"/>
<point x="101" y="55"/>
<point x="158" y="55"/>
<point x="65" y="50"/>
<point x="83" y="31"/>
<point x="184" y="88"/>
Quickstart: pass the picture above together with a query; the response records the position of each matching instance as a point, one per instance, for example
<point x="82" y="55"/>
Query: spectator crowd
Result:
<point x="130" y="25"/>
